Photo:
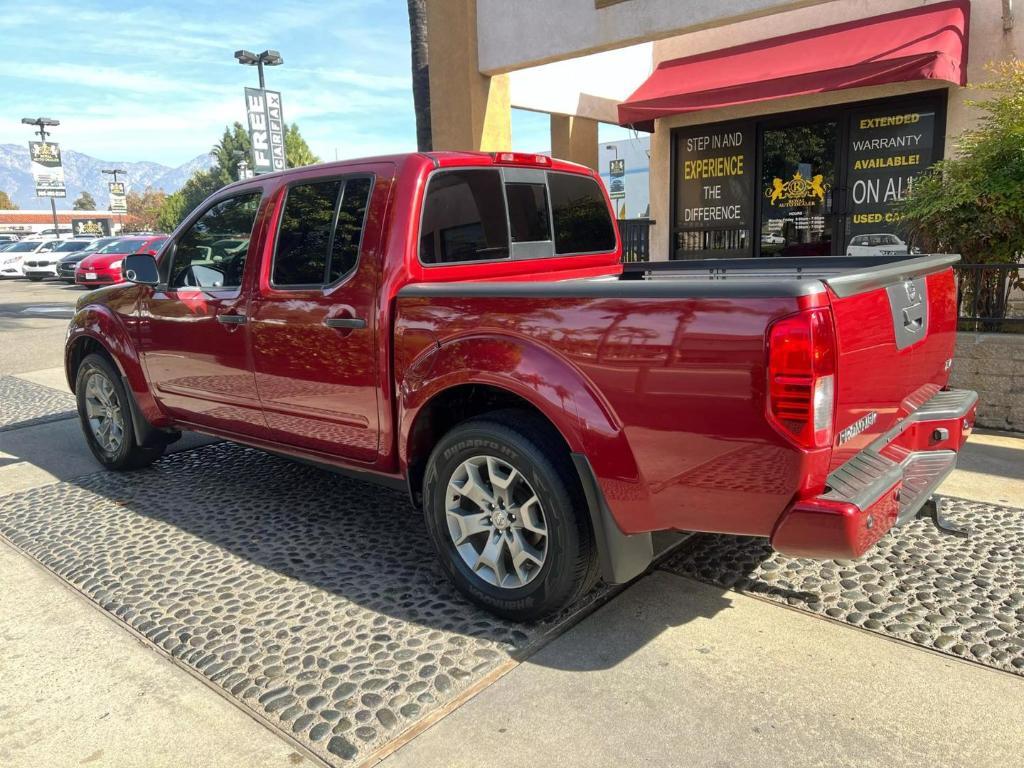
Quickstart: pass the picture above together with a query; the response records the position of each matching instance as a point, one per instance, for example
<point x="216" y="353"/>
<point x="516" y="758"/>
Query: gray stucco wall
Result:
<point x="993" y="365"/>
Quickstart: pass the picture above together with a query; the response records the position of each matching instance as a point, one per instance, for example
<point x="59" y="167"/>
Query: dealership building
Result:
<point x="80" y="223"/>
<point x="775" y="128"/>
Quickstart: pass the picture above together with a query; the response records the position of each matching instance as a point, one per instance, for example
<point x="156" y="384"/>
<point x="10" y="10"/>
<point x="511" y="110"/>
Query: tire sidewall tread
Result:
<point x="130" y="455"/>
<point x="567" y="562"/>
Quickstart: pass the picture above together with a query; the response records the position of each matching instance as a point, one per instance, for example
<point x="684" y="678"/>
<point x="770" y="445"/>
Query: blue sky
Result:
<point x="139" y="81"/>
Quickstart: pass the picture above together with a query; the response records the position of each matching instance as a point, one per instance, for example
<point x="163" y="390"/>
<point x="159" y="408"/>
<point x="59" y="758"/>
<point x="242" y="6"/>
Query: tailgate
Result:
<point x="895" y="331"/>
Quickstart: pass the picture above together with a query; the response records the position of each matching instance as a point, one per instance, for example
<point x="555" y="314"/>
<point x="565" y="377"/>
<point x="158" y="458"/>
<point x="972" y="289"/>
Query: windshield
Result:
<point x="72" y="245"/>
<point x="23" y="247"/>
<point x="119" y="246"/>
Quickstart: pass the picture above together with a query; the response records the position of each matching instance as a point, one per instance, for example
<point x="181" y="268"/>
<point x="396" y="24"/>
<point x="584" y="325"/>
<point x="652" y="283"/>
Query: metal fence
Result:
<point x="990" y="297"/>
<point x="636" y="239"/>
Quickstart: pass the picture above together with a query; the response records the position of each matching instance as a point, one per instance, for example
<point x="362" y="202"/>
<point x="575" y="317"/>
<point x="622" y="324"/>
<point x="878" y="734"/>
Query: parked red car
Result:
<point x="104" y="266"/>
<point x="460" y="325"/>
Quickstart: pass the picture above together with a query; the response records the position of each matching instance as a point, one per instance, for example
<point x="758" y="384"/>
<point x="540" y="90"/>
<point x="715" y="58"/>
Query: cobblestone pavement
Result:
<point x="23" y="403"/>
<point x="964" y="597"/>
<point x="311" y="598"/>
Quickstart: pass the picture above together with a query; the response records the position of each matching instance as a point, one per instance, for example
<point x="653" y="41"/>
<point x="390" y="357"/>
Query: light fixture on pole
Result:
<point x="241" y="163"/>
<point x="41" y="123"/>
<point x="114" y="172"/>
<point x="259" y="60"/>
<point x="615" y="147"/>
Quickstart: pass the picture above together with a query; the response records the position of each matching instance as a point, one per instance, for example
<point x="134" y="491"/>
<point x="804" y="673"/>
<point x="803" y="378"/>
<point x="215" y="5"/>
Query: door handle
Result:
<point x="348" y="323"/>
<point x="232" y="319"/>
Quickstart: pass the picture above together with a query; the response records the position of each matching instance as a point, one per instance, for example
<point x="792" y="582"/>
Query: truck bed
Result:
<point x="845" y="275"/>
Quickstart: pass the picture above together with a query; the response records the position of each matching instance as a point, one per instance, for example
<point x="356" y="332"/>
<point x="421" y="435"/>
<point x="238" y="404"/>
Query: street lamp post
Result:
<point x="259" y="60"/>
<point x="267" y="58"/>
<point x="40" y="123"/>
<point x="114" y="172"/>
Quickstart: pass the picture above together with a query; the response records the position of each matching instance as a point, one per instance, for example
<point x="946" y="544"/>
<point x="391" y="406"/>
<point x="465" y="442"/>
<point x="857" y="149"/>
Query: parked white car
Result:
<point x="882" y="244"/>
<point x="12" y="260"/>
<point x="42" y="264"/>
<point x="64" y="233"/>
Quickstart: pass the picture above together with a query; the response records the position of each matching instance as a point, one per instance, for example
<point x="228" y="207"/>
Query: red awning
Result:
<point x="925" y="43"/>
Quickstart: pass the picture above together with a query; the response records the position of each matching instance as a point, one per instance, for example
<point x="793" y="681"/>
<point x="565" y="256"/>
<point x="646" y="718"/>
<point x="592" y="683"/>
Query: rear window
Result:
<point x="528" y="212"/>
<point x="582" y="223"/>
<point x="473" y="215"/>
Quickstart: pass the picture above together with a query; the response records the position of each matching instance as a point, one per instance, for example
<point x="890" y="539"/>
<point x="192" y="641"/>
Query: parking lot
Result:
<point x="276" y="614"/>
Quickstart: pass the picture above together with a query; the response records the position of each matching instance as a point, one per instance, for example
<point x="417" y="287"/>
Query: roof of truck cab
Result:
<point x="446" y="159"/>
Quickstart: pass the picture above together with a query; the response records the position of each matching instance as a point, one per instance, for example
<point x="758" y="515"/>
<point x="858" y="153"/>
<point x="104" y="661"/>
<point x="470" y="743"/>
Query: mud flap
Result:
<point x="623" y="557"/>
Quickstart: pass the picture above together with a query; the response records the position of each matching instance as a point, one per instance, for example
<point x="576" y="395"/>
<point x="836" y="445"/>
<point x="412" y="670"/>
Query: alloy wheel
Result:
<point x="104" y="413"/>
<point x="496" y="522"/>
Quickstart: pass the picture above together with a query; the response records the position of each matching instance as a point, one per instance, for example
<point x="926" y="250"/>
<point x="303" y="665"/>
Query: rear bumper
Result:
<point x="883" y="485"/>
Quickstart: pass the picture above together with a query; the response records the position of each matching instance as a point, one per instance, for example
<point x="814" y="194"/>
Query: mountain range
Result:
<point x="83" y="172"/>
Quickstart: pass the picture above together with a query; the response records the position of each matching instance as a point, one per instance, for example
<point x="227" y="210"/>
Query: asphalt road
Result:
<point x="33" y="318"/>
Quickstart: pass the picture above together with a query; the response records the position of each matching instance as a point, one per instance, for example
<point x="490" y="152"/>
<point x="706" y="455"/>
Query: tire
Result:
<point x="490" y="447"/>
<point x="35" y="278"/>
<point x="102" y="397"/>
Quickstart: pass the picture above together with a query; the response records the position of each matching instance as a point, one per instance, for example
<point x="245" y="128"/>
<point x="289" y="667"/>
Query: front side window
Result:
<point x="582" y="221"/>
<point x="211" y="253"/>
<point x="321" y="227"/>
<point x="464" y="218"/>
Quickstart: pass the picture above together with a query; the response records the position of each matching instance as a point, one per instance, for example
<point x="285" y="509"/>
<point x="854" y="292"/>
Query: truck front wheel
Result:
<point x="106" y="416"/>
<point x="501" y="510"/>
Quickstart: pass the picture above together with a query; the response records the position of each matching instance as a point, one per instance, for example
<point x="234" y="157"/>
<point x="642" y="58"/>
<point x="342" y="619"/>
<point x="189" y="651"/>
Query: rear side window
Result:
<point x="320" y="231"/>
<point x="464" y="218"/>
<point x="349" y="230"/>
<point x="305" y="233"/>
<point x="581" y="218"/>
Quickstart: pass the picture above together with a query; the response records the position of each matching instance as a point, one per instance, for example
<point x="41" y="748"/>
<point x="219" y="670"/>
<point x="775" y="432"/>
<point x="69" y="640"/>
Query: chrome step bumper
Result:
<point x="884" y="485"/>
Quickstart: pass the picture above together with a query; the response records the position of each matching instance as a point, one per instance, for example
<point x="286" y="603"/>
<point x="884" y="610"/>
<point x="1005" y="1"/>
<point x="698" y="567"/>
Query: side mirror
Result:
<point x="140" y="268"/>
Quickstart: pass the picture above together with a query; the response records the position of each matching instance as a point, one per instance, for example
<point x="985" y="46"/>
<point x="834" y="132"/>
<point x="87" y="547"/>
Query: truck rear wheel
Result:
<point x="507" y="520"/>
<point x="106" y="416"/>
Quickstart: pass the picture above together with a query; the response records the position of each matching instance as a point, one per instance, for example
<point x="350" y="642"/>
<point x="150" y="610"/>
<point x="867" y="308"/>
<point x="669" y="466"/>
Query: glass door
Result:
<point x="798" y="184"/>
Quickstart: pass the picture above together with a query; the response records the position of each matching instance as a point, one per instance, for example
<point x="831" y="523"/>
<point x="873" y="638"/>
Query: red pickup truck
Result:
<point x="460" y="325"/>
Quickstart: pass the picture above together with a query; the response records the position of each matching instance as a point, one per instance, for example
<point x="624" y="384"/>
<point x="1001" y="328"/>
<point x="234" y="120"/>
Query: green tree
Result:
<point x="6" y="204"/>
<point x="296" y="151"/>
<point x="84" y="202"/>
<point x="144" y="209"/>
<point x="234" y="145"/>
<point x="973" y="202"/>
<point x="177" y="206"/>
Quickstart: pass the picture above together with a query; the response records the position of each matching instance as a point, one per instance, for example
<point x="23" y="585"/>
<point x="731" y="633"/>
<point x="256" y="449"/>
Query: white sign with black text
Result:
<point x="266" y="129"/>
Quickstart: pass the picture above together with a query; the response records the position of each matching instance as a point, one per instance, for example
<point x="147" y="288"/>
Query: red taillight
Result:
<point x="801" y="377"/>
<point x="520" y="158"/>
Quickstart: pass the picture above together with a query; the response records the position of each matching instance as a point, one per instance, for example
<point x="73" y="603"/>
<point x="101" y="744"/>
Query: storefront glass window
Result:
<point x="888" y="147"/>
<point x="798" y="174"/>
<point x="826" y="182"/>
